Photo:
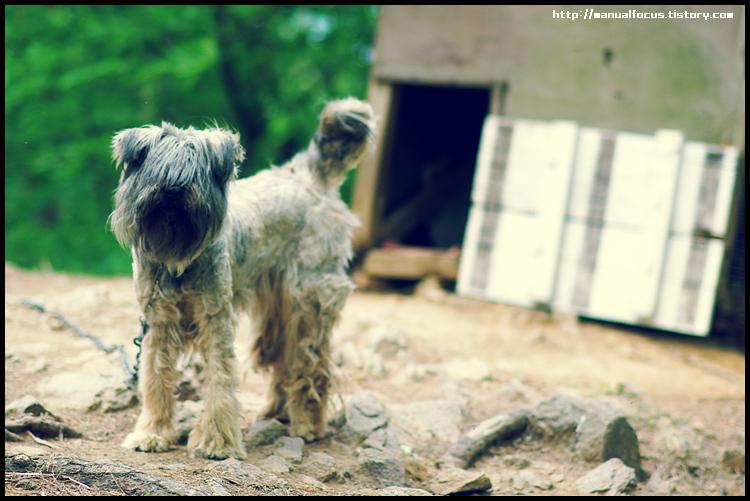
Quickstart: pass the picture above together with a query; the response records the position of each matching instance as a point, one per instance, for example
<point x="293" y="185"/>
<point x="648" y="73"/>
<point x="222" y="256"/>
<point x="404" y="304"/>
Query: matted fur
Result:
<point x="204" y="246"/>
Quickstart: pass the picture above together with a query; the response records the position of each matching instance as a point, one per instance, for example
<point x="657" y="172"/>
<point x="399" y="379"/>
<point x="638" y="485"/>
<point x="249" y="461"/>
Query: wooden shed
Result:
<point x="441" y="70"/>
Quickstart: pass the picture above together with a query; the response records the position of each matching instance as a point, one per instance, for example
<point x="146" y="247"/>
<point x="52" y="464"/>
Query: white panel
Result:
<point x="678" y="253"/>
<point x="639" y="203"/>
<point x="570" y="255"/>
<point x="533" y="247"/>
<point x="484" y="158"/>
<point x="706" y="299"/>
<point x="676" y="312"/>
<point x="688" y="188"/>
<point x="529" y="225"/>
<point x="658" y="206"/>
<point x="513" y="259"/>
<point x="554" y="191"/>
<point x="620" y="262"/>
<point x="724" y="192"/>
<point x="614" y="289"/>
<point x="586" y="155"/>
<point x="669" y="315"/>
<point x="526" y="161"/>
<point x="469" y="249"/>
<point x="631" y="181"/>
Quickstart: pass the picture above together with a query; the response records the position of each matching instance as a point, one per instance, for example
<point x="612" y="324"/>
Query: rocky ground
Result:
<point x="439" y="394"/>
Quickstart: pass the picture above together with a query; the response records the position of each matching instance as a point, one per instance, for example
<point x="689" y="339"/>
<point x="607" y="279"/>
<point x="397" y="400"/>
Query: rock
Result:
<point x="592" y="429"/>
<point x="349" y="355"/>
<point x="31" y="451"/>
<point x="385" y="468"/>
<point x="321" y="466"/>
<point x="185" y="417"/>
<point x="384" y="338"/>
<point x="102" y="474"/>
<point x="264" y="432"/>
<point x="27" y="485"/>
<point x="311" y="482"/>
<point x="456" y="481"/>
<point x="73" y="390"/>
<point x="414" y="372"/>
<point x="733" y="460"/>
<point x="276" y="465"/>
<point x="383" y="439"/>
<point x="360" y="358"/>
<point x="27" y="405"/>
<point x="290" y="448"/>
<point x="246" y="472"/>
<point x="658" y="486"/>
<point x="473" y="369"/>
<point x="217" y="487"/>
<point x="366" y="414"/>
<point x="679" y="442"/>
<point x="418" y="468"/>
<point x="36" y="365"/>
<point x="531" y="479"/>
<point x="115" y="399"/>
<point x="516" y="461"/>
<point x="432" y="419"/>
<point x="42" y="426"/>
<point x="390" y="491"/>
<point x="612" y="477"/>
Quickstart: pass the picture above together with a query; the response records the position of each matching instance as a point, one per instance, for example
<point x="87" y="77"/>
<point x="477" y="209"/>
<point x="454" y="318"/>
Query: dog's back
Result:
<point x="297" y="216"/>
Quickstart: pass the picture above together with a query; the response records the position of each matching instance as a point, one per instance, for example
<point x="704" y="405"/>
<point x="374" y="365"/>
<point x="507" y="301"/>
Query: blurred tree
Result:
<point x="74" y="75"/>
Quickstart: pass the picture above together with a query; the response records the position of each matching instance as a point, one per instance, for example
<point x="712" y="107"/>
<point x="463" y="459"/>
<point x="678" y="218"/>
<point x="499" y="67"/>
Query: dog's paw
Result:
<point x="202" y="445"/>
<point x="149" y="442"/>
<point x="309" y="433"/>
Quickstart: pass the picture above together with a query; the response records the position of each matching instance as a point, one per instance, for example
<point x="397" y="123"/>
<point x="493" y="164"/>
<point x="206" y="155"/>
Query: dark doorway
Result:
<point x="428" y="165"/>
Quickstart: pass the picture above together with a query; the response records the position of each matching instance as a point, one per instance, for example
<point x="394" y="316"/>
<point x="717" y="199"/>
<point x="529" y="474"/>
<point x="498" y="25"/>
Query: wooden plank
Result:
<point x="411" y="263"/>
<point x="367" y="184"/>
<point x="695" y="248"/>
<point x="626" y="281"/>
<point x="554" y="192"/>
<point x="485" y="158"/>
<point x="513" y="235"/>
<point x="630" y="230"/>
<point x="658" y="207"/>
<point x="571" y="278"/>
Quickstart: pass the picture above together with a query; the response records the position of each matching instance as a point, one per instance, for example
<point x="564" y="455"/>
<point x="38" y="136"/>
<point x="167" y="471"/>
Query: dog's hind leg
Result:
<point x="308" y="372"/>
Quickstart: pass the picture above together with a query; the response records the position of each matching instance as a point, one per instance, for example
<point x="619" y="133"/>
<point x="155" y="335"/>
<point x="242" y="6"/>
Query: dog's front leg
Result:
<point x="217" y="433"/>
<point x="154" y="430"/>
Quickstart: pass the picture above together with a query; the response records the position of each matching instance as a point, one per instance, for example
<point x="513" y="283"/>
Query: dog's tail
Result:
<point x="346" y="130"/>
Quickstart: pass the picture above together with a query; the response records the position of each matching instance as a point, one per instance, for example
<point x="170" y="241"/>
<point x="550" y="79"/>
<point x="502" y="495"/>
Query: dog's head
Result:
<point x="171" y="202"/>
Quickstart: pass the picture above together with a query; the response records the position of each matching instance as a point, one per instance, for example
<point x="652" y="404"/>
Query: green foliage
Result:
<point x="74" y="75"/>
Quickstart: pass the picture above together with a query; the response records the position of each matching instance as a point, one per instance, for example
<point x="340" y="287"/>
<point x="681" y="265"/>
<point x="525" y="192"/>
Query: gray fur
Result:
<point x="205" y="247"/>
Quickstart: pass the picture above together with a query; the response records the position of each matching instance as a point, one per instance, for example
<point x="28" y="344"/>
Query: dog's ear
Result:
<point x="129" y="148"/>
<point x="226" y="153"/>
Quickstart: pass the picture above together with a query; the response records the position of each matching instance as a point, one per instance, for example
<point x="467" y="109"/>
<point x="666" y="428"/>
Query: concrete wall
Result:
<point x="634" y="75"/>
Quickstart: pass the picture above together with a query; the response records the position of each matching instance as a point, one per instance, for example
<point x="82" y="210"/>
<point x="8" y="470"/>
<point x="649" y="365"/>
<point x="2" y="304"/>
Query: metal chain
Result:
<point x="144" y="330"/>
<point x="138" y="340"/>
<point x="133" y="373"/>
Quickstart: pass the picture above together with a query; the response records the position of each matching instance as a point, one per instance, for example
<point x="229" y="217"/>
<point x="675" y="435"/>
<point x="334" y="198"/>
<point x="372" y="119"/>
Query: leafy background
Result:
<point x="75" y="75"/>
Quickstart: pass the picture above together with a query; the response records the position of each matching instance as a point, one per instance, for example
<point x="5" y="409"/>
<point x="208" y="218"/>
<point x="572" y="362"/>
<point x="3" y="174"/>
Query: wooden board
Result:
<point x="515" y="224"/>
<point x="612" y="225"/>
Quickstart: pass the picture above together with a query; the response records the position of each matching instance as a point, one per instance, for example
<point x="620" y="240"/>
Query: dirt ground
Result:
<point x="681" y="382"/>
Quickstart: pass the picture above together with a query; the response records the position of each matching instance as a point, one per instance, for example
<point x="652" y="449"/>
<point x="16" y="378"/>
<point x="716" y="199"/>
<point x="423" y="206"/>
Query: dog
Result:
<point x="206" y="247"/>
